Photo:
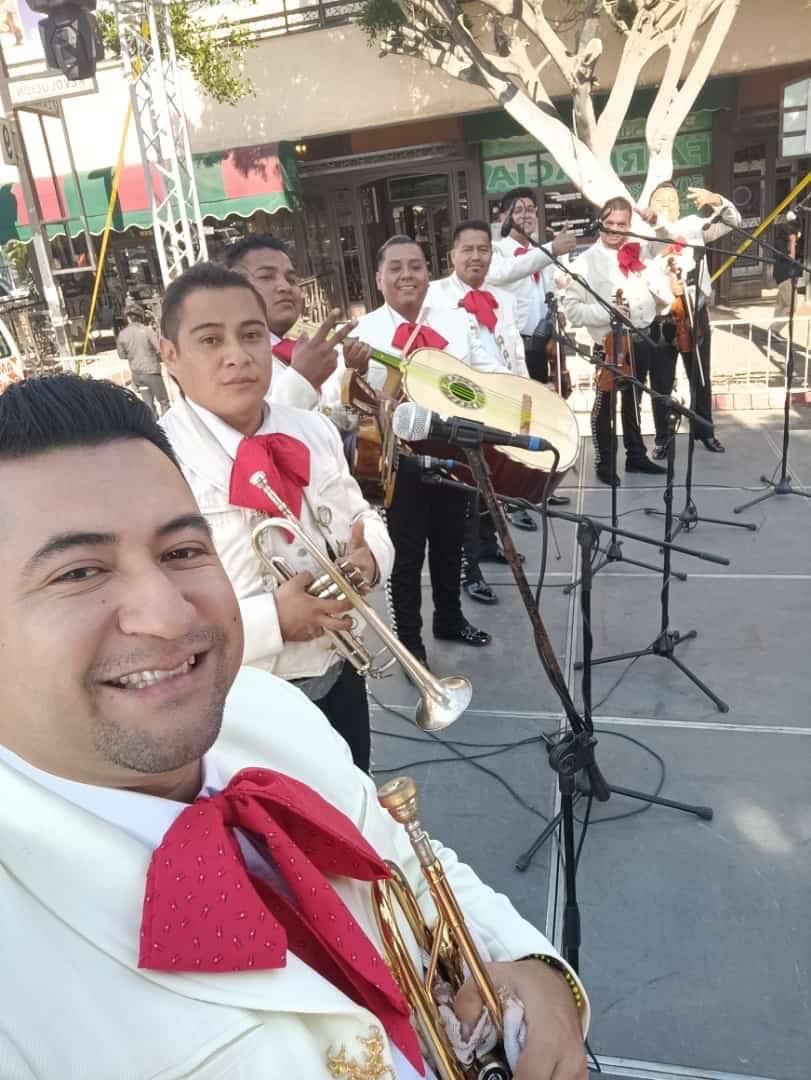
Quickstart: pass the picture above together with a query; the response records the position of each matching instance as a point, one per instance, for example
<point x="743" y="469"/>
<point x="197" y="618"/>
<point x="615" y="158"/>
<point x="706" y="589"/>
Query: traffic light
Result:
<point x="69" y="36"/>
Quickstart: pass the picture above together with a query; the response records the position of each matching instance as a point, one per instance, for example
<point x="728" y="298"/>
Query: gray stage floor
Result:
<point x="696" y="935"/>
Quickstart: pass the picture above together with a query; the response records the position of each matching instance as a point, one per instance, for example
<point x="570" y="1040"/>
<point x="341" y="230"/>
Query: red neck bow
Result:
<point x="204" y="911"/>
<point x="284" y="460"/>
<point x="536" y="277"/>
<point x="676" y="248"/>
<point x="283" y="350"/>
<point x="628" y="258"/>
<point x="483" y="305"/>
<point x="424" y="338"/>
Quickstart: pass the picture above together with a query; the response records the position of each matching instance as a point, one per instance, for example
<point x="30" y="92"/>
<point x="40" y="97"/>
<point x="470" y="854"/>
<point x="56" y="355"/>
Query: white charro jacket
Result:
<point x="332" y="503"/>
<point x="76" y="1007"/>
<point x="504" y="343"/>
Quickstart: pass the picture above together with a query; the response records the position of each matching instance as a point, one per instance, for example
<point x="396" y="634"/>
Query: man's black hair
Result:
<point x="204" y="275"/>
<point x="515" y="194"/>
<point x="395" y="241"/>
<point x="252" y="242"/>
<point x="619" y="202"/>
<point x="55" y="412"/>
<point x="474" y="225"/>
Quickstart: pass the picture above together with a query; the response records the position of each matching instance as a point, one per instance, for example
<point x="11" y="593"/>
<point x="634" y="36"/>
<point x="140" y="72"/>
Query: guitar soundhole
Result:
<point x="464" y="393"/>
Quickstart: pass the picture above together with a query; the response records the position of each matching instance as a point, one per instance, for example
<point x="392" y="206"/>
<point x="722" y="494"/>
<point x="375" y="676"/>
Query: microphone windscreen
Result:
<point x="411" y="422"/>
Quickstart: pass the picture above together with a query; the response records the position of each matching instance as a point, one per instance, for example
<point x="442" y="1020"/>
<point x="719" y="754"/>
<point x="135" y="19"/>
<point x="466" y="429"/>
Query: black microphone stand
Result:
<point x="573" y="751"/>
<point x="783" y="486"/>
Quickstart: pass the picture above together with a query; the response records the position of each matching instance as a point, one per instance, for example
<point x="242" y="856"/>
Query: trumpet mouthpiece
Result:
<point x="399" y="797"/>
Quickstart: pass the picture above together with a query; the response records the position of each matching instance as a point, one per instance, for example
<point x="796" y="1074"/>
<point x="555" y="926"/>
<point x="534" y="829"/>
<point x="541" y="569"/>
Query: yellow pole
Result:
<point x="803" y="184"/>
<point x="106" y="235"/>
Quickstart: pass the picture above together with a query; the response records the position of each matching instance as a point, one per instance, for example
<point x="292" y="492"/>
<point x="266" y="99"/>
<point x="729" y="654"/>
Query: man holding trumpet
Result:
<point x="180" y="834"/>
<point x="216" y="346"/>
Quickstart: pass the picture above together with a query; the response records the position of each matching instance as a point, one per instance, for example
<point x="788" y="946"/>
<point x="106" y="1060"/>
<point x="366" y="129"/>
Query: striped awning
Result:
<point x="239" y="181"/>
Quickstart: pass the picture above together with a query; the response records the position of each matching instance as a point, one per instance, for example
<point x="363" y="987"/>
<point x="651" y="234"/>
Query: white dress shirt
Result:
<point x="503" y="344"/>
<point x="693" y="229"/>
<point x="147" y="818"/>
<point x="516" y="273"/>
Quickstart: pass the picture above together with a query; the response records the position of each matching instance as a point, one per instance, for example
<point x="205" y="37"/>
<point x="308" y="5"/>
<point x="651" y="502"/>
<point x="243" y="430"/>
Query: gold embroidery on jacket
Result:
<point x="371" y="1067"/>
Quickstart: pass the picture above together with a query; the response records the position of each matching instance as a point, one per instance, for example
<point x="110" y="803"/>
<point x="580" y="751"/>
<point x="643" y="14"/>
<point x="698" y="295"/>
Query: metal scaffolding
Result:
<point x="151" y="64"/>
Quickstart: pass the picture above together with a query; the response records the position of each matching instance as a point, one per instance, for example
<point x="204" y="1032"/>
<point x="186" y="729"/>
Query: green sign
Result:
<point x="691" y="150"/>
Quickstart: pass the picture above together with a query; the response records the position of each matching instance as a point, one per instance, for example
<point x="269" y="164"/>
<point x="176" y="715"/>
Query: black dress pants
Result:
<point x="630" y="404"/>
<point x="663" y="377"/>
<point x="480" y="538"/>
<point x="421" y="514"/>
<point x="347" y="709"/>
<point x="535" y="356"/>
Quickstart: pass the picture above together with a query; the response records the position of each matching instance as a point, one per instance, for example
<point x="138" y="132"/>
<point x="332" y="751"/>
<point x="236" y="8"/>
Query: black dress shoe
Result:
<point x="558" y="500"/>
<point x="478" y="589"/>
<point x="497" y="556"/>
<point x="604" y="475"/>
<point x="644" y="465"/>
<point x="713" y="445"/>
<point x="660" y="451"/>
<point x="522" y="520"/>
<point x="465" y="633"/>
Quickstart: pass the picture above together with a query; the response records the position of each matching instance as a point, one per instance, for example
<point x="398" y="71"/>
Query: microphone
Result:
<point x="424" y="463"/>
<point x="507" y="225"/>
<point x="414" y="423"/>
<point x="721" y="214"/>
<point x="592" y="227"/>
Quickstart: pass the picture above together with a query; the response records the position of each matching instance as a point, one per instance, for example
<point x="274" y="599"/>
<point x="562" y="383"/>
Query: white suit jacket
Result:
<point x="504" y="344"/>
<point x="74" y="1004"/>
<point x="646" y="293"/>
<point x="692" y="229"/>
<point x="332" y="502"/>
<point x="289" y="387"/>
<point x="377" y="329"/>
<point x="515" y="272"/>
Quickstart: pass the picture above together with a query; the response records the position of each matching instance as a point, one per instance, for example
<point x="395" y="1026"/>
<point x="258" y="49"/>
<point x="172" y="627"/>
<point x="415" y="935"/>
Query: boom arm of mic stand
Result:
<point x="582" y="751"/>
<point x="782" y="256"/>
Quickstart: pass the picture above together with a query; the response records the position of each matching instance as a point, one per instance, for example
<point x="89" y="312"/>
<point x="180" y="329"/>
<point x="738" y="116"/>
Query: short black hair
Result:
<point x="395" y="241"/>
<point x="516" y="193"/>
<point x="252" y="242"/>
<point x="619" y="202"/>
<point x="474" y="225"/>
<point x="54" y="412"/>
<point x="204" y="275"/>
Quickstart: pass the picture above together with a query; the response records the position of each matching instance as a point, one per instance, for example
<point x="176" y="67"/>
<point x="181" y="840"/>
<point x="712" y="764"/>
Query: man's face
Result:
<point x="525" y="216"/>
<point x="470" y="257"/>
<point x="403" y="277"/>
<point x="272" y="275"/>
<point x="616" y="223"/>
<point x="665" y="201"/>
<point x="120" y="634"/>
<point x="223" y="358"/>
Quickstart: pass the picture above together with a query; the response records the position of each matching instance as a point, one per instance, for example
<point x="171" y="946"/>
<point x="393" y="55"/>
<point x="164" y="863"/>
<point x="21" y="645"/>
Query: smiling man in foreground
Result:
<point x="177" y="836"/>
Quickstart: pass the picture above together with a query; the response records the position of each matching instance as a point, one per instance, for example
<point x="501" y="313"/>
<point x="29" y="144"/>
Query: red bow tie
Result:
<point x="536" y="277"/>
<point x="628" y="258"/>
<point x="483" y="305"/>
<point x="205" y="912"/>
<point x="283" y="350"/>
<point x="676" y="248"/>
<point x="424" y="338"/>
<point x="284" y="460"/>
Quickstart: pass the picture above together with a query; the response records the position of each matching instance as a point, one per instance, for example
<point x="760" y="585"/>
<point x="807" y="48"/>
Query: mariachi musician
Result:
<point x="179" y="832"/>
<point x="419" y="514"/>
<point x="680" y="263"/>
<point x="215" y="344"/>
<point x="613" y="265"/>
<point x="491" y="311"/>
<point x="306" y="373"/>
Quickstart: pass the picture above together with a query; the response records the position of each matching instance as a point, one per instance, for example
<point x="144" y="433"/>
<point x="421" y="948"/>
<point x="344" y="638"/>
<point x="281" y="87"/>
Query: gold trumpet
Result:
<point x="441" y="700"/>
<point x="448" y="944"/>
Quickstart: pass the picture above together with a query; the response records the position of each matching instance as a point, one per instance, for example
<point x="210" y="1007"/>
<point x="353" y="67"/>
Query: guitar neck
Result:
<point x="387" y="359"/>
<point x="379" y="355"/>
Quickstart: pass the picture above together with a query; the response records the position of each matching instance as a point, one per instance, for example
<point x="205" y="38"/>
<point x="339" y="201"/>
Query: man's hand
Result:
<point x="700" y="197"/>
<point x="554" y="1046"/>
<point x="360" y="557"/>
<point x="303" y="617"/>
<point x="316" y="357"/>
<point x="564" y="242"/>
<point x="357" y="355"/>
<point x="648" y="215"/>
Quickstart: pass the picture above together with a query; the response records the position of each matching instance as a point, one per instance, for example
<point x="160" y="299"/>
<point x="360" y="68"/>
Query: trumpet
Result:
<point x="448" y="944"/>
<point x="441" y="700"/>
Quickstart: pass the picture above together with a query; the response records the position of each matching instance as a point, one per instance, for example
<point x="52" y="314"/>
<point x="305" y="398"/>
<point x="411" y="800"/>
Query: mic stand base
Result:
<point x="783" y="486"/>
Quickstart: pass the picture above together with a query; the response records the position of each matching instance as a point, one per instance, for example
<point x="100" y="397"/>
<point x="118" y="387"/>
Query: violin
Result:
<point x="678" y="308"/>
<point x="618" y="351"/>
<point x="555" y="352"/>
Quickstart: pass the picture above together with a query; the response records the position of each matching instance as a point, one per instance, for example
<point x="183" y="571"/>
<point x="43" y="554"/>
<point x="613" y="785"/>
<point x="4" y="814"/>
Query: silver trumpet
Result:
<point x="441" y="700"/>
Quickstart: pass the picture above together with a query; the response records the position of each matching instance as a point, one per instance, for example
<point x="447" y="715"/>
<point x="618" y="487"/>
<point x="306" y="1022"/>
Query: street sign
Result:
<point x="52" y="84"/>
<point x="8" y="144"/>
